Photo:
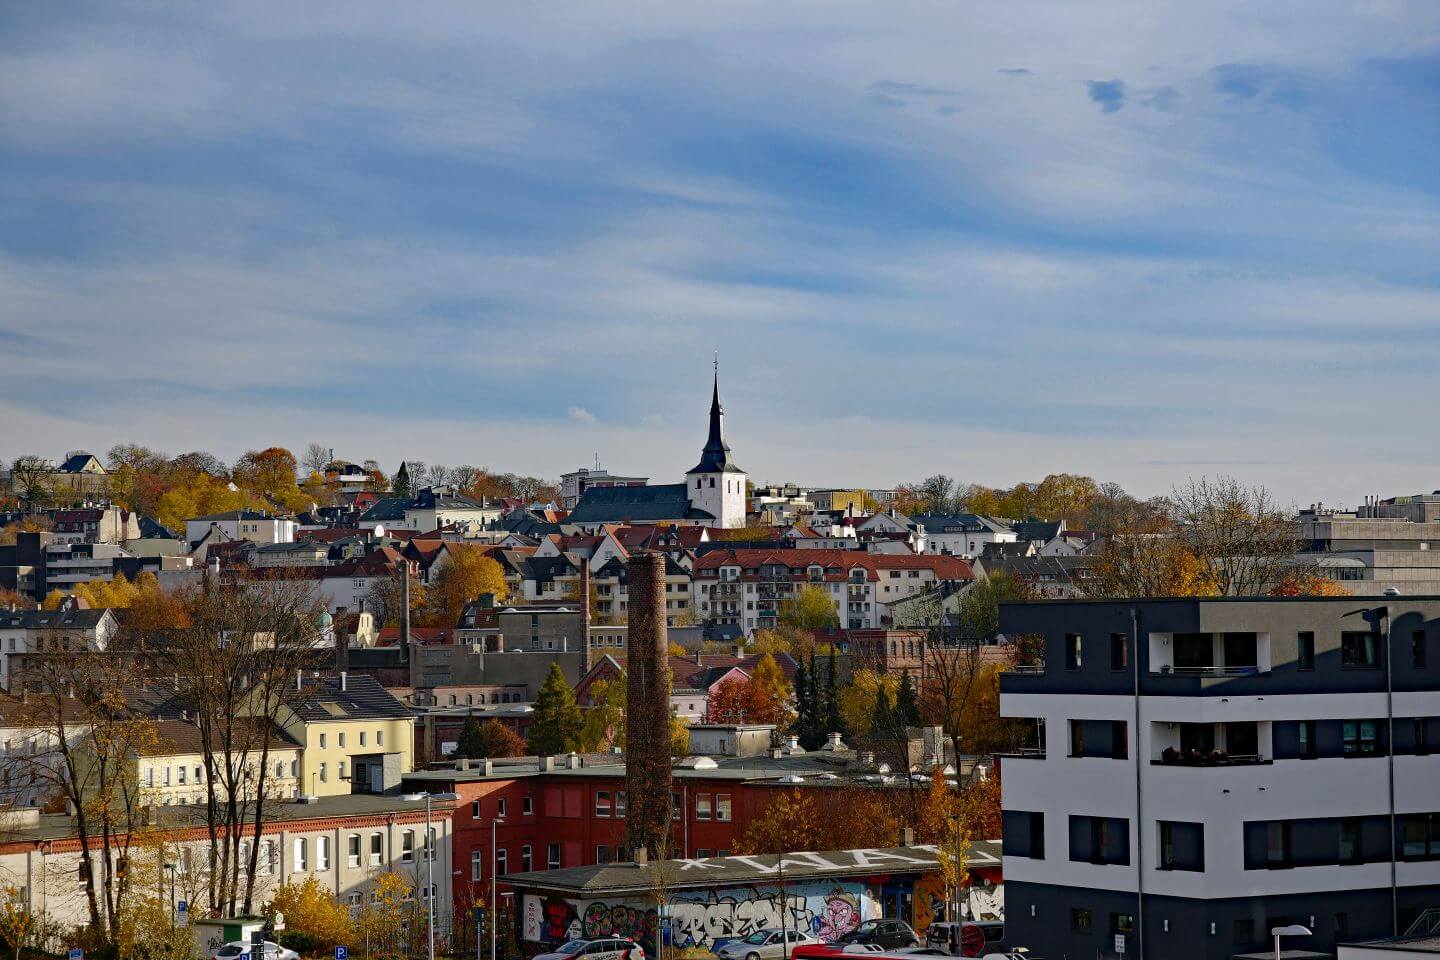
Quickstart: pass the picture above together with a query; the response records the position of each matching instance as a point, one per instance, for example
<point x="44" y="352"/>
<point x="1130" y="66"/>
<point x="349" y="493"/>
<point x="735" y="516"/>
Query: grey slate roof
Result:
<point x="1044" y="530"/>
<point x="71" y="619"/>
<point x="385" y="509"/>
<point x="623" y="878"/>
<point x="321" y="699"/>
<point x="967" y="522"/>
<point x="665" y="501"/>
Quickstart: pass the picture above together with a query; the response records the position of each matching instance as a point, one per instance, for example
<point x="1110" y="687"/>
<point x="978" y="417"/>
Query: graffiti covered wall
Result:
<point x="984" y="900"/>
<point x="825" y="909"/>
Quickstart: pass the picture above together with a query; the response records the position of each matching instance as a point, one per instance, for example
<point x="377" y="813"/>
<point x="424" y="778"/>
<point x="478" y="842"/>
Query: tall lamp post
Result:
<point x="430" y="871"/>
<point x="1293" y="930"/>
<point x="494" y="901"/>
<point x="784" y="907"/>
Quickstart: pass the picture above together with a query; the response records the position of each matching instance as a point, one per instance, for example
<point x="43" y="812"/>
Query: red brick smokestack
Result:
<point x="647" y="710"/>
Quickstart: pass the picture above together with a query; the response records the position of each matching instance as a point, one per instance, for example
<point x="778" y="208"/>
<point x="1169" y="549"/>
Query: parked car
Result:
<point x="597" y="948"/>
<point x="765" y="945"/>
<point x="829" y="950"/>
<point x="238" y="948"/>
<point x="976" y="937"/>
<point x="887" y="934"/>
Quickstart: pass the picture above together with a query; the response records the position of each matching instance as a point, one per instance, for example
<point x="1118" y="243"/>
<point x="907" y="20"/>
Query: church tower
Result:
<point x="716" y="484"/>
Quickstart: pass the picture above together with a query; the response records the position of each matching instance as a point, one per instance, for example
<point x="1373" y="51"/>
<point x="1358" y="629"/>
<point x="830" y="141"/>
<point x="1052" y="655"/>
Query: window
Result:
<point x="702" y="806"/>
<point x="676" y="807"/>
<point x="324" y="741"/>
<point x="1359" y="651"/>
<point x="474" y="809"/>
<point x="502" y="862"/>
<point x="362" y="738"/>
<point x="1099" y="840"/>
<point x="322" y="853"/>
<point x="352" y="850"/>
<point x="379" y="738"/>
<point x="1077" y="738"/>
<point x="552" y="856"/>
<point x="1244" y="931"/>
<point x="602" y="803"/>
<point x="501" y="807"/>
<point x="1024" y="833"/>
<point x="407" y="846"/>
<point x="1422" y="737"/>
<point x="525" y="859"/>
<point x="1350" y="840"/>
<point x="722" y="807"/>
<point x="1182" y="846"/>
<point x="1360" y="738"/>
<point x="1417" y="650"/>
<point x="1277" y="844"/>
<point x="1119" y="651"/>
<point x="1081" y="921"/>
<point x="527" y="805"/>
<point x="477" y="864"/>
<point x="271" y="863"/>
<point x="183" y="772"/>
<point x="342" y="741"/>
<point x="301" y="855"/>
<point x="1420" y="836"/>
<point x="323" y="777"/>
<point x="377" y="849"/>
<point x="702" y="853"/>
<point x="1072" y="651"/>
<point x="1306" y="733"/>
<point x="619" y="803"/>
<point x="353" y="900"/>
<point x="1305" y="652"/>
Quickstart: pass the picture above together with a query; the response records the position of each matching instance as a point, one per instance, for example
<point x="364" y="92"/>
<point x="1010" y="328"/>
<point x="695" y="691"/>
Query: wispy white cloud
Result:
<point x="402" y="227"/>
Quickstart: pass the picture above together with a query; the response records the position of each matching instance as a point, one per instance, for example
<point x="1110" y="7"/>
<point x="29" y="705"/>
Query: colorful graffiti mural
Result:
<point x="984" y="900"/>
<point x="828" y="911"/>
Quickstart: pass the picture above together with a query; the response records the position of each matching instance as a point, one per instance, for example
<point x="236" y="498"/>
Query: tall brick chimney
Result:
<point x="647" y="711"/>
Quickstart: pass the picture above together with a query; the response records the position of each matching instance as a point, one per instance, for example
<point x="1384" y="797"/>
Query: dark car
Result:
<point x="886" y="934"/>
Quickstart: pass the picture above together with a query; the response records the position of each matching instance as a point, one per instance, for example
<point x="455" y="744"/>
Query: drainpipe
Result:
<point x="1139" y="793"/>
<point x="1390" y="762"/>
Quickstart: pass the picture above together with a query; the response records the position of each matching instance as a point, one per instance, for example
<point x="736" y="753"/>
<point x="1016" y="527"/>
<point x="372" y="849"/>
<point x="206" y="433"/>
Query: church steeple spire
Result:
<point x="715" y="458"/>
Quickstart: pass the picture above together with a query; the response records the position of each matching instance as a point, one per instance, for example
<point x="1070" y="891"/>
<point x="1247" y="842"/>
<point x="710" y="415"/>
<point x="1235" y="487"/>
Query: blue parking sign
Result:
<point x="341" y="953"/>
<point x="76" y="954"/>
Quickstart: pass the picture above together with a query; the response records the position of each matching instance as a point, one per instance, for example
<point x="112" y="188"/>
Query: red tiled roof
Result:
<point x="424" y="636"/>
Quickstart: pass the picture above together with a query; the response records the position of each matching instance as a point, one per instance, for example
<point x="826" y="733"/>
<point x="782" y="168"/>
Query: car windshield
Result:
<point x="759" y="936"/>
<point x="573" y="947"/>
<point x="230" y="950"/>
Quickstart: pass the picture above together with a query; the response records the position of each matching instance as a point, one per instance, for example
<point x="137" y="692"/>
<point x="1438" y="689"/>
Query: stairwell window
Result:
<point x="722" y="807"/>
<point x="1119" y="651"/>
<point x="1073" y="651"/>
<point x="477" y="865"/>
<point x="1305" y="651"/>
<point x="702" y="806"/>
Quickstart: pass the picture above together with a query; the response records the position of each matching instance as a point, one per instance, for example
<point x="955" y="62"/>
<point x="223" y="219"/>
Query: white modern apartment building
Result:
<point x="254" y="525"/>
<point x="1206" y="769"/>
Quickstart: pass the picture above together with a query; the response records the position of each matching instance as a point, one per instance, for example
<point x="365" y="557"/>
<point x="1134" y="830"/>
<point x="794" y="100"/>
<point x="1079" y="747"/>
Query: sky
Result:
<point x="1143" y="241"/>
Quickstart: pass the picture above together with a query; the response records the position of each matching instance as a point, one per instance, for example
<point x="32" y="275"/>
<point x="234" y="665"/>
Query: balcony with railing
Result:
<point x="1210" y="744"/>
<point x="1209" y="654"/>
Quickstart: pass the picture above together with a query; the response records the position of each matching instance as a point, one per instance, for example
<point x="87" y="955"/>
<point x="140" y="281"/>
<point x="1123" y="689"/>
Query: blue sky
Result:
<point x="1142" y="241"/>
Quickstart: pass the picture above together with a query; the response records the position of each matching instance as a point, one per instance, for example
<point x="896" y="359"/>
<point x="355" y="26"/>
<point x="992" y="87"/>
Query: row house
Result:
<point x="70" y="627"/>
<point x="748" y="587"/>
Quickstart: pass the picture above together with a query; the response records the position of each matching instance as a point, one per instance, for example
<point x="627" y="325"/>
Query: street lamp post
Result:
<point x="170" y="868"/>
<point x="429" y="848"/>
<point x="1293" y="930"/>
<point x="494" y="901"/>
<point x="784" y="907"/>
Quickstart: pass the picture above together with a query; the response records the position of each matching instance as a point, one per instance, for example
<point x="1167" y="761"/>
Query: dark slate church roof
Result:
<point x="664" y="501"/>
<point x="715" y="458"/>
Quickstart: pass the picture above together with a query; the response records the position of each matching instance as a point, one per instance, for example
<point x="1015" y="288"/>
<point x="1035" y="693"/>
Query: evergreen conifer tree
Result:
<point x="557" y="721"/>
<point x="882" y="723"/>
<point x="804" y="707"/>
<point x="472" y="742"/>
<point x="834" y="721"/>
<point x="907" y="702"/>
<point x="400" y="486"/>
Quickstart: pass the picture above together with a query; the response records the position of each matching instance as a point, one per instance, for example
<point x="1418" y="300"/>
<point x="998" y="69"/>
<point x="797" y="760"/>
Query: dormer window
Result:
<point x="817" y="573"/>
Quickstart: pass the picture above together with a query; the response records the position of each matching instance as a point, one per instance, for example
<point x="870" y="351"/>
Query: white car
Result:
<point x="599" y="948"/>
<point x="238" y="948"/>
<point x="764" y="945"/>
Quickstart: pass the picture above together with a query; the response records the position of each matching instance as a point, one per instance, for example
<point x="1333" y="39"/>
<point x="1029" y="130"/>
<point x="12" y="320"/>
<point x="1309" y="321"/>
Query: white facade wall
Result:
<point x="1221" y="797"/>
<point x="720" y="494"/>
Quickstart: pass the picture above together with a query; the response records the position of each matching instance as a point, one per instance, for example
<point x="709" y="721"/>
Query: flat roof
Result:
<point x="706" y="873"/>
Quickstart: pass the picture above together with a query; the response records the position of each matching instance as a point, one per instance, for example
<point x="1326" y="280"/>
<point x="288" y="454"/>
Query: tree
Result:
<point x="556" y="722"/>
<point x="9" y="598"/>
<point x="233" y="657"/>
<point x="16" y="920"/>
<point x="488" y="740"/>
<point x="315" y="458"/>
<point x="469" y="572"/>
<point x="314" y="913"/>
<point x="385" y="601"/>
<point x="789" y="822"/>
<point x="30" y="479"/>
<point x="400" y="486"/>
<point x="907" y="702"/>
<point x="830" y="700"/>
<point x="771" y="693"/>
<point x="269" y="473"/>
<point x="811" y="609"/>
<point x="1245" y="542"/>
<point x="679" y="736"/>
<point x="858" y="699"/>
<point x="805" y="725"/>
<point x="605" y="718"/>
<point x="388" y="918"/>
